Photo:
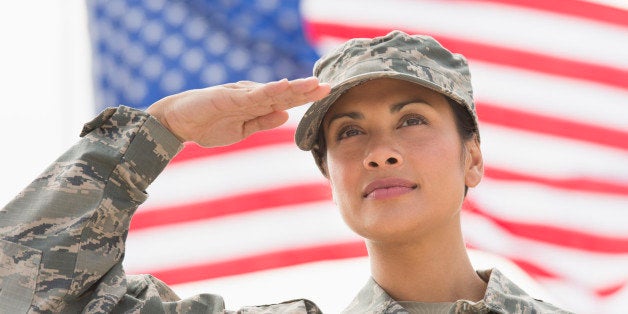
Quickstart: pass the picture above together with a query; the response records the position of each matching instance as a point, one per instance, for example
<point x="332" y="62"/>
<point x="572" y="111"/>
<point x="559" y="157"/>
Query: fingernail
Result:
<point x="307" y="79"/>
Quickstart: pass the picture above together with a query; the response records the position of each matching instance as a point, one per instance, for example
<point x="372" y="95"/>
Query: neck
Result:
<point x="434" y="269"/>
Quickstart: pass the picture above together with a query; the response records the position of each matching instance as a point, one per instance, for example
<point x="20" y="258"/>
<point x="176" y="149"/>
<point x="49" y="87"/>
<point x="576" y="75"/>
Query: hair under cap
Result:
<point x="414" y="58"/>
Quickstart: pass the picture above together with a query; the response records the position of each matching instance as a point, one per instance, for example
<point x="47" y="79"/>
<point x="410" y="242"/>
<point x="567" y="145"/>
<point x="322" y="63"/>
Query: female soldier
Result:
<point x="396" y="137"/>
<point x="398" y="140"/>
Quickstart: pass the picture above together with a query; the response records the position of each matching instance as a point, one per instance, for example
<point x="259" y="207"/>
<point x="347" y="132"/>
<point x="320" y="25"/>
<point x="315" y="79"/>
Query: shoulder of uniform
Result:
<point x="504" y="296"/>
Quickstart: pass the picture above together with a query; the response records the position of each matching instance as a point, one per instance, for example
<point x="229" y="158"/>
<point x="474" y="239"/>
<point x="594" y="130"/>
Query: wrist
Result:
<point x="157" y="111"/>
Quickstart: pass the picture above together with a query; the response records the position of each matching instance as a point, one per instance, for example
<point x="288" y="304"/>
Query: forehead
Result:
<point x="385" y="91"/>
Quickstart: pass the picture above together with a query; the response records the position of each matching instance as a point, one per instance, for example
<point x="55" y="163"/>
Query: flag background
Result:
<point x="550" y="84"/>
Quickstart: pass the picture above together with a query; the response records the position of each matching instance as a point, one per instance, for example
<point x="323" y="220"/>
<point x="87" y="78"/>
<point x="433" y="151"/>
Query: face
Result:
<point x="396" y="163"/>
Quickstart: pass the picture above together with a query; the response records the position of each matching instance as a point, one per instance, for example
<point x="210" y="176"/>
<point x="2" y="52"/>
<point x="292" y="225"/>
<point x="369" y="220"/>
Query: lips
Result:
<point x="388" y="187"/>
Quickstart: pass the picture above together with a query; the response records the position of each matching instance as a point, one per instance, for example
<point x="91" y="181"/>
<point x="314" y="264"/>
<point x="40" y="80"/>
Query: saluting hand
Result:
<point x="226" y="114"/>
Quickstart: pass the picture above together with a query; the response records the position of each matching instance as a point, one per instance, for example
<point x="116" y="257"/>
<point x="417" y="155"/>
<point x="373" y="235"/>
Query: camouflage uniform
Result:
<point x="502" y="296"/>
<point x="62" y="238"/>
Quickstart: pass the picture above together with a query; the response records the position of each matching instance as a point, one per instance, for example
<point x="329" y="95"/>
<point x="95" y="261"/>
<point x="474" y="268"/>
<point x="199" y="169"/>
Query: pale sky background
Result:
<point x="45" y="85"/>
<point x="46" y="90"/>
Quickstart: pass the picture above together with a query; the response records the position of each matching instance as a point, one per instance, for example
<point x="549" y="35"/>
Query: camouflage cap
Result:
<point x="414" y="58"/>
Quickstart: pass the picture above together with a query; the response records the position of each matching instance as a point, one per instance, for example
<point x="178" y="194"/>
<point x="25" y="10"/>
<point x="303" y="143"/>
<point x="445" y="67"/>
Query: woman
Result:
<point x="396" y="137"/>
<point x="398" y="140"/>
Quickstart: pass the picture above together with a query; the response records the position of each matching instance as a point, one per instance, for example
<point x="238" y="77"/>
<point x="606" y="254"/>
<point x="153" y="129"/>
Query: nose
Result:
<point x="381" y="156"/>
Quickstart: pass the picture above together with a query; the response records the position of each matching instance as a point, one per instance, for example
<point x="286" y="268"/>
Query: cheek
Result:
<point x="342" y="163"/>
<point x="338" y="176"/>
<point x="343" y="178"/>
<point x="440" y="159"/>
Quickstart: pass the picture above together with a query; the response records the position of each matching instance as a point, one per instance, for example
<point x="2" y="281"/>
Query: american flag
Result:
<point x="256" y="218"/>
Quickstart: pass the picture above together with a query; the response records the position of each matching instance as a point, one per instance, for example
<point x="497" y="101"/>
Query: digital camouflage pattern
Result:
<point x="414" y="58"/>
<point x="62" y="238"/>
<point x="502" y="296"/>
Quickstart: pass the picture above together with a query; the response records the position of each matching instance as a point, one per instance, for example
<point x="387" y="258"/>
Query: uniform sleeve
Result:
<point x="62" y="238"/>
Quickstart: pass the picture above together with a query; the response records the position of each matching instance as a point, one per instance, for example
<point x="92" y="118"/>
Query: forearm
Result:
<point x="70" y="223"/>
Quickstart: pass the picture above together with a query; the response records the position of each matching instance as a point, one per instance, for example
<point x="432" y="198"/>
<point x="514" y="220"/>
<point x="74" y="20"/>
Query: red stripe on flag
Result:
<point x="538" y="272"/>
<point x="583" y="9"/>
<point x="270" y="260"/>
<point x="241" y="203"/>
<point x="610" y="290"/>
<point x="534" y="270"/>
<point x="489" y="53"/>
<point x="538" y="123"/>
<point x="571" y="184"/>
<point x="555" y="235"/>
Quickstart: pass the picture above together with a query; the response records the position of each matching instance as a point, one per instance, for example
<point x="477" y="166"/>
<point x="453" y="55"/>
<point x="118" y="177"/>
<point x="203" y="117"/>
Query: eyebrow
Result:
<point x="393" y="109"/>
<point x="398" y="106"/>
<point x="353" y="115"/>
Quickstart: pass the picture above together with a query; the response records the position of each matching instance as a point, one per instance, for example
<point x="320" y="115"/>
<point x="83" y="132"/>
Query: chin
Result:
<point x="391" y="219"/>
<point x="392" y="230"/>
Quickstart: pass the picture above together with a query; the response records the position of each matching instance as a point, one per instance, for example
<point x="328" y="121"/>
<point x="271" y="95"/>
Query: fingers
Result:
<point x="284" y="94"/>
<point x="319" y="92"/>
<point x="310" y="88"/>
<point x="276" y="97"/>
<point x="304" y="85"/>
<point x="224" y="114"/>
<point x="281" y="95"/>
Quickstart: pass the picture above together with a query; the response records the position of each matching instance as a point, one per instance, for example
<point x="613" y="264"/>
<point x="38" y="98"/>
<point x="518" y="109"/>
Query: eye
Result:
<point x="409" y="120"/>
<point x="347" y="132"/>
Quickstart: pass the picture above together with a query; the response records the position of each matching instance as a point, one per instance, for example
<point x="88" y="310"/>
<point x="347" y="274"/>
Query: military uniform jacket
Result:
<point x="62" y="238"/>
<point x="502" y="296"/>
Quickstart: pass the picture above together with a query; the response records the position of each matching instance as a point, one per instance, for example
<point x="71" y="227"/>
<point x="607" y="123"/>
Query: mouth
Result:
<point x="388" y="187"/>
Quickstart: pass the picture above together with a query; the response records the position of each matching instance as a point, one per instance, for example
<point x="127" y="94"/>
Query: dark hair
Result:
<point x="464" y="124"/>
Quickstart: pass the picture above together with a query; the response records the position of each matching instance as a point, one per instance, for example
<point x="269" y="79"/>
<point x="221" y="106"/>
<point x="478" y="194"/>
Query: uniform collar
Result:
<point x="501" y="294"/>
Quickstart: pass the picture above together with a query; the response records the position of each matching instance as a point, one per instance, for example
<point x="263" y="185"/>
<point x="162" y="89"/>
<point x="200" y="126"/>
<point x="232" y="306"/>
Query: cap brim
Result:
<point x="308" y="127"/>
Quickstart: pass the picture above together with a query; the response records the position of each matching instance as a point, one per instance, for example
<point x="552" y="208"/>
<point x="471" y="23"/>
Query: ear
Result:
<point x="474" y="163"/>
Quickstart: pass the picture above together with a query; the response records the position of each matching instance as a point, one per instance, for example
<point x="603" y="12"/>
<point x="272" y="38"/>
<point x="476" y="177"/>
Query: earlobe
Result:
<point x="475" y="163"/>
